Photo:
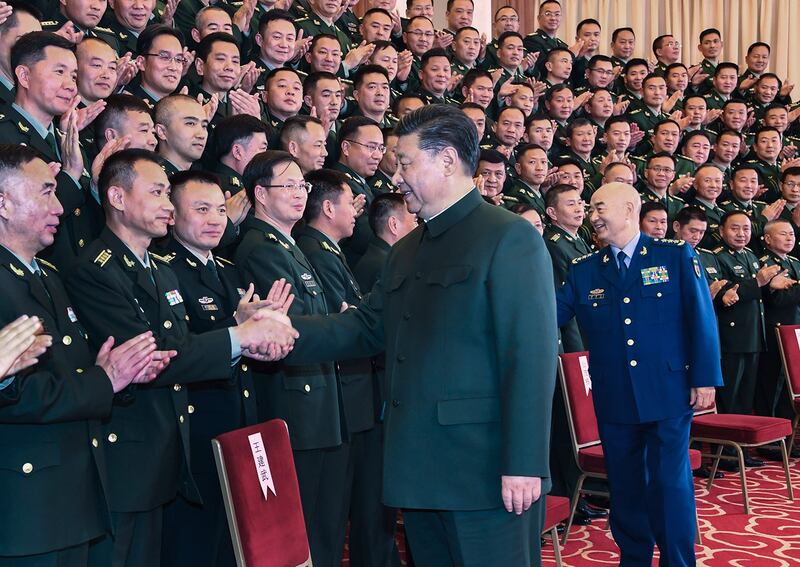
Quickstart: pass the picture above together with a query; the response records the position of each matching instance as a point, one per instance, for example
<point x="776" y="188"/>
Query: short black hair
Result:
<point x="618" y="119"/>
<point x="733" y="212"/>
<point x="402" y="98"/>
<point x="272" y="74"/>
<point x="29" y="49"/>
<point x="13" y="157"/>
<point x="293" y="126"/>
<point x="586" y="22"/>
<point x="351" y="126"/>
<point x="117" y="105"/>
<point x="659" y="40"/>
<point x="576" y="123"/>
<point x="595" y="59"/>
<point x="382" y="207"/>
<point x="462" y="30"/>
<point x="758" y="44"/>
<point x="709" y="31"/>
<point x="658" y="155"/>
<point x="665" y="121"/>
<point x="726" y="65"/>
<point x="744" y="166"/>
<point x="320" y="36"/>
<point x="617" y="31"/>
<point x="236" y="129"/>
<point x="272" y="16"/>
<point x="19" y="7"/>
<point x="207" y="43"/>
<point x="326" y="185"/>
<point x="790" y="171"/>
<point x="652" y="77"/>
<point x="525" y="148"/>
<point x="556" y="50"/>
<point x="372" y="11"/>
<point x="635" y="62"/>
<point x="310" y="82"/>
<point x="491" y="156"/>
<point x="145" y="41"/>
<point x="651" y="206"/>
<point x="551" y="197"/>
<point x="676" y="65"/>
<point x="473" y="75"/>
<point x="365" y="70"/>
<point x="507" y="108"/>
<point x="179" y="180"/>
<point x="689" y="213"/>
<point x="431" y="53"/>
<point x="262" y="169"/>
<point x="505" y="35"/>
<point x="119" y="169"/>
<point x="450" y="3"/>
<point x="440" y="126"/>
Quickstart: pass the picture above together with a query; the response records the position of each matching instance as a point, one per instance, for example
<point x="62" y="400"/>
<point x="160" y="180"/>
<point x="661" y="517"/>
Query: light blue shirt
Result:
<point x="629" y="249"/>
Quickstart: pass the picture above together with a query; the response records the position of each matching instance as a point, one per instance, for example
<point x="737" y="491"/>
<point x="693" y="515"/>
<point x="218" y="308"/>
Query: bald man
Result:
<point x="643" y="306"/>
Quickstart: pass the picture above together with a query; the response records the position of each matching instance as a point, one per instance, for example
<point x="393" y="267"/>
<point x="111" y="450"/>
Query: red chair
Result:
<point x="584" y="431"/>
<point x="557" y="510"/>
<point x="271" y="531"/>
<point x="738" y="431"/>
<point x="789" y="346"/>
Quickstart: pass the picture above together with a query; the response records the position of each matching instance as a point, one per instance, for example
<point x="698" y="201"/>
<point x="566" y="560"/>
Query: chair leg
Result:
<point x="714" y="468"/>
<point x="795" y="423"/>
<point x="698" y="538"/>
<point x="575" y="496"/>
<point x="743" y="476"/>
<point x="786" y="469"/>
<point x="556" y="546"/>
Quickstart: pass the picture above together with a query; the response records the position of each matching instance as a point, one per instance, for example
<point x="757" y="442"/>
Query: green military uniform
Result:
<point x="781" y="307"/>
<point x="661" y="69"/>
<point x="641" y="115"/>
<point x="709" y="262"/>
<point x="741" y="329"/>
<point x="712" y="238"/>
<point x="754" y="210"/>
<point x="100" y="32"/>
<point x="229" y="180"/>
<point x="714" y="100"/>
<point x="769" y="175"/>
<point x="459" y="68"/>
<point x="371" y="540"/>
<point x="300" y="9"/>
<point x="138" y="91"/>
<point x="490" y="61"/>
<point x="430" y="98"/>
<point x="193" y="534"/>
<point x="786" y="214"/>
<point x="53" y="472"/>
<point x="539" y="42"/>
<point x="592" y="178"/>
<point x="314" y="25"/>
<point x="461" y="414"/>
<point x="370" y="266"/>
<point x="83" y="217"/>
<point x="146" y="440"/>
<point x="349" y="24"/>
<point x="126" y="38"/>
<point x="674" y="205"/>
<point x="7" y="91"/>
<point x="521" y="192"/>
<point x="355" y="246"/>
<point x="381" y="183"/>
<point x="306" y="396"/>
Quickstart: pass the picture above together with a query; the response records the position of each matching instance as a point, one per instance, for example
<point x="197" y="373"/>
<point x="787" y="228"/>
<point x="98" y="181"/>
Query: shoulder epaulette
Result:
<point x="300" y="20"/>
<point x="222" y="260"/>
<point x="669" y="241"/>
<point x="46" y="263"/>
<point x="104" y="30"/>
<point x="792" y="258"/>
<point x="718" y="249"/>
<point x="49" y="23"/>
<point x="764" y="258"/>
<point x="555" y="237"/>
<point x="329" y="248"/>
<point x="706" y="250"/>
<point x="748" y="249"/>
<point x="634" y="111"/>
<point x="164" y="259"/>
<point x="580" y="259"/>
<point x="103" y="257"/>
<point x="725" y="203"/>
<point x="760" y="203"/>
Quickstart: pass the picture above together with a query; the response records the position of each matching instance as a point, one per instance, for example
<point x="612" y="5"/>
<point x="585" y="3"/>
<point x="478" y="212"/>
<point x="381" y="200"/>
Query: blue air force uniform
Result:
<point x="652" y="336"/>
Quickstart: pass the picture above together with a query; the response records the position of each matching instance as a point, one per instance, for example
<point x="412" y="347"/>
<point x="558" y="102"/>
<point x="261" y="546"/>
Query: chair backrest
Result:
<point x="789" y="345"/>
<point x="262" y="499"/>
<point x="573" y="371"/>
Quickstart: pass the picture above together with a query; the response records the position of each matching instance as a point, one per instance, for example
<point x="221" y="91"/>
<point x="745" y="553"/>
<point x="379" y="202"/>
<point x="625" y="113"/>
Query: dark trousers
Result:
<point x="739" y="373"/>
<point x="443" y="538"/>
<point x="321" y="476"/>
<point x="372" y="524"/>
<point x="136" y="541"/>
<point x="75" y="556"/>
<point x="652" y="493"/>
<point x="772" y="397"/>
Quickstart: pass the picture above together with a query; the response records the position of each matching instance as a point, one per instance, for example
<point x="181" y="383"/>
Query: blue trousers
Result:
<point x="652" y="492"/>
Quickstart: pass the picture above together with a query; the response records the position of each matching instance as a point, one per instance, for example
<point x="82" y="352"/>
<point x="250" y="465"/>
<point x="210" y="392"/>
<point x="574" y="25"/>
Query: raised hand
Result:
<point x="715" y="286"/>
<point x="71" y="157"/>
<point x="360" y="203"/>
<point x="443" y="39"/>
<point x="21" y="343"/>
<point x="169" y="12"/>
<point x="110" y="148"/>
<point x="241" y="19"/>
<point x="280" y="296"/>
<point x="237" y="206"/>
<point x="5" y="12"/>
<point x="731" y="296"/>
<point x="773" y="210"/>
<point x="127" y="361"/>
<point x="765" y="274"/>
<point x="404" y="60"/>
<point x="67" y="31"/>
<point x="244" y="103"/>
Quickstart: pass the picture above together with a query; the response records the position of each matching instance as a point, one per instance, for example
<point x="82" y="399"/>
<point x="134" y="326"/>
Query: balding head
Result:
<point x="614" y="213"/>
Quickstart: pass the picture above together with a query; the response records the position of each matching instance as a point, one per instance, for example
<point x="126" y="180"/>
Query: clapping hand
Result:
<point x="21" y="343"/>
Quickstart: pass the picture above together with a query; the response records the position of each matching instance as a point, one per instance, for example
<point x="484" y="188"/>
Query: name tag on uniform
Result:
<point x="597" y="294"/>
<point x="655" y="275"/>
<point x="308" y="281"/>
<point x="173" y="297"/>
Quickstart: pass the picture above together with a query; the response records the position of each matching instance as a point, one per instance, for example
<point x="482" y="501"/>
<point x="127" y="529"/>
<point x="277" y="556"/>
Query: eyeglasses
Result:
<point x="371" y="148"/>
<point x="166" y="58"/>
<point x="658" y="169"/>
<point x="602" y="72"/>
<point x="296" y="186"/>
<point x="508" y="19"/>
<point x="420" y="33"/>
<point x="791" y="184"/>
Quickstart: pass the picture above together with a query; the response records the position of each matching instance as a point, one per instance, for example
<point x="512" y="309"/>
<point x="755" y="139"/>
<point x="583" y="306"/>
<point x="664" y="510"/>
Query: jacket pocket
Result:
<point x="28" y="459"/>
<point x="446" y="277"/>
<point x="304" y="384"/>
<point x="468" y="410"/>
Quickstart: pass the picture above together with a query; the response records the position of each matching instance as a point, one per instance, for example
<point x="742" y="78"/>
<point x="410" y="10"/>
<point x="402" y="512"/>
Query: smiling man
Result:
<point x="645" y="386"/>
<point x="467" y="430"/>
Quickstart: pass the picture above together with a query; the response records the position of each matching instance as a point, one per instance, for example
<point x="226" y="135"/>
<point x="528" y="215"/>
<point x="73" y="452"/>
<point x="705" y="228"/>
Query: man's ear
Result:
<point x="116" y="197"/>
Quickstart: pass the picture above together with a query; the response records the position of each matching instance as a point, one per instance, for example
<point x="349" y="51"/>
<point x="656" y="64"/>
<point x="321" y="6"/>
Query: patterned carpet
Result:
<point x="768" y="537"/>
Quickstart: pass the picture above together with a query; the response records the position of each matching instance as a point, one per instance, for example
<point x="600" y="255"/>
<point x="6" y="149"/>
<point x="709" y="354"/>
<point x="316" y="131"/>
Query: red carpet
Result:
<point x="768" y="537"/>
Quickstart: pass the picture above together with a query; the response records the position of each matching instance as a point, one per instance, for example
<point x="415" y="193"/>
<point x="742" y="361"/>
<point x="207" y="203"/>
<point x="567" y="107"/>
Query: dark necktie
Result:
<point x="623" y="267"/>
<point x="51" y="141"/>
<point x="212" y="268"/>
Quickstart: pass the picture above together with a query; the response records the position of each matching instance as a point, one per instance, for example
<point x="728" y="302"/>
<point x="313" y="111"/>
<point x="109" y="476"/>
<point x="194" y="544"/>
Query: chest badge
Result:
<point x="655" y="275"/>
<point x="597" y="294"/>
<point x="173" y="297"/>
<point x="71" y="315"/>
<point x="205" y="300"/>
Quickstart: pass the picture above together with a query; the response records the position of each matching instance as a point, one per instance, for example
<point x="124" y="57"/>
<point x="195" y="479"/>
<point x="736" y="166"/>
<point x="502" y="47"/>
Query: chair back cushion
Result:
<point x="576" y="384"/>
<point x="789" y="339"/>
